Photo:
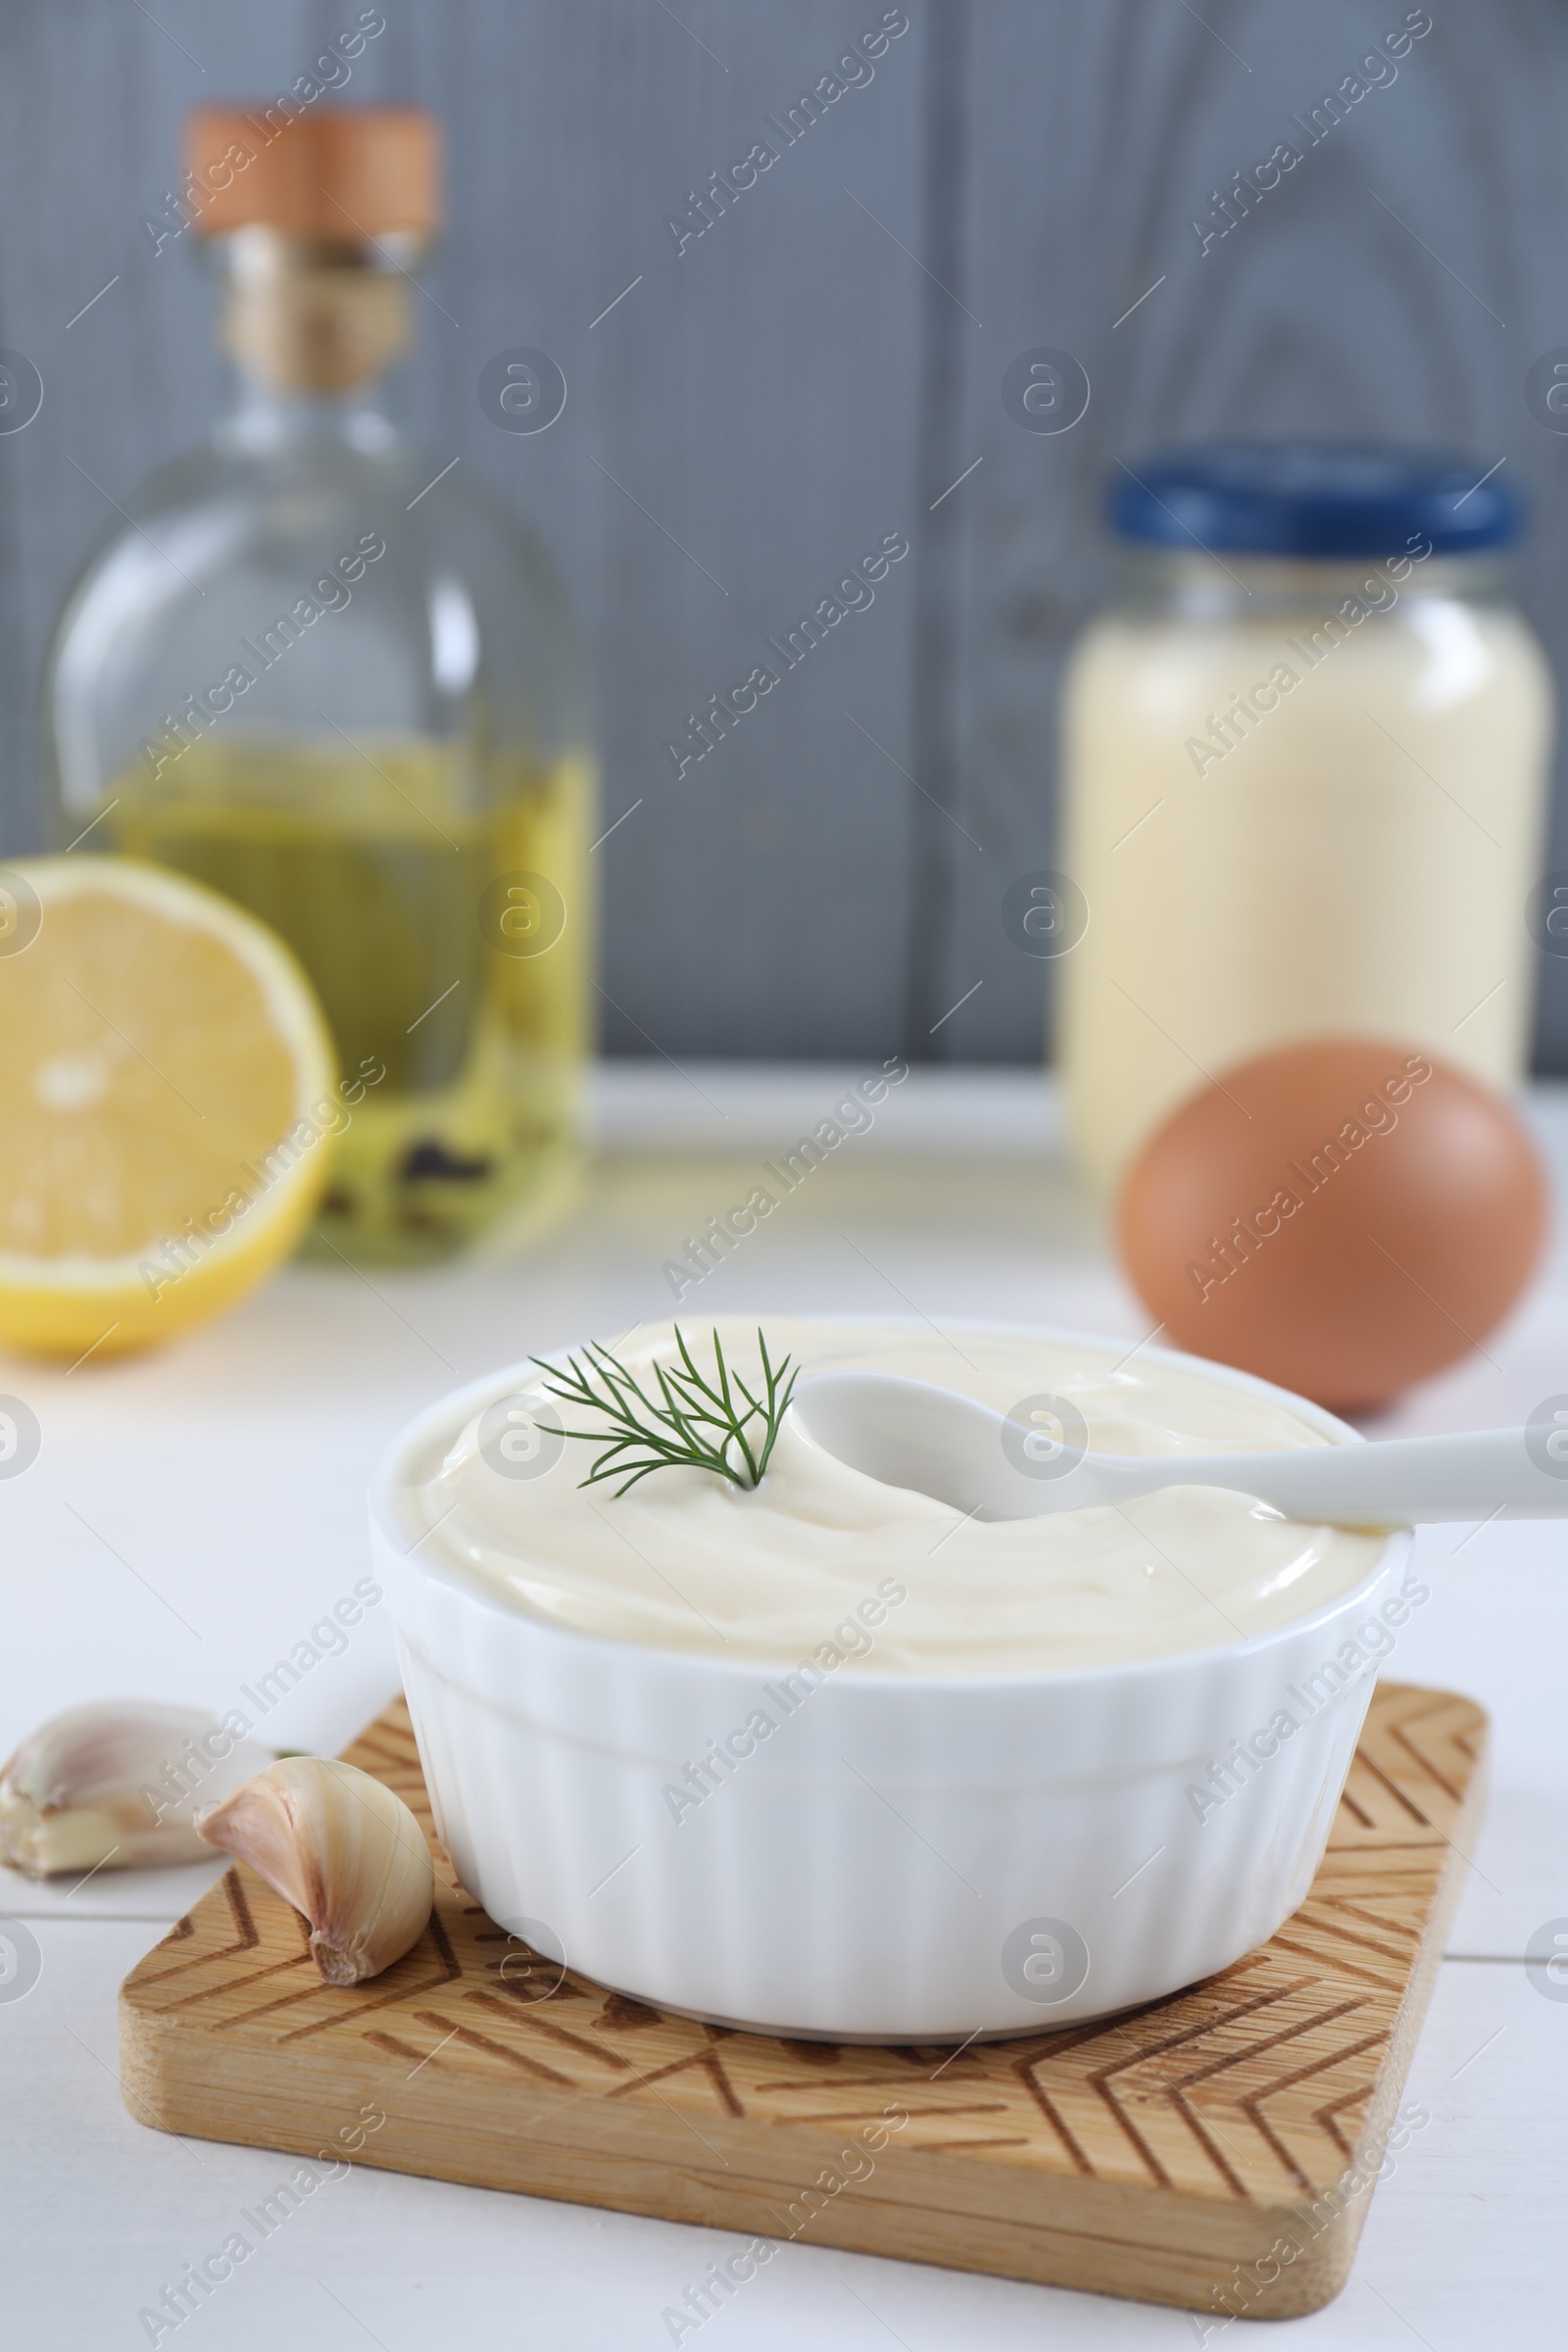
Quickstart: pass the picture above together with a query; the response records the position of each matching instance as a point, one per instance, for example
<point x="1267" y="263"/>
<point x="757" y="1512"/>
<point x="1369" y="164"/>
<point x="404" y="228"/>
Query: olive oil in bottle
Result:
<point x="341" y="687"/>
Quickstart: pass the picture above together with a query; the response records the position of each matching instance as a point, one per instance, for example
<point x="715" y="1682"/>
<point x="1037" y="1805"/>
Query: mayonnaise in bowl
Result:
<point x="811" y="1756"/>
<point x="688" y="1561"/>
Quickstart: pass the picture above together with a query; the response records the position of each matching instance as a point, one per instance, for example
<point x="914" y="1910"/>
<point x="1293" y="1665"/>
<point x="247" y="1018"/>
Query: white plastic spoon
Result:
<point x="1034" y="1461"/>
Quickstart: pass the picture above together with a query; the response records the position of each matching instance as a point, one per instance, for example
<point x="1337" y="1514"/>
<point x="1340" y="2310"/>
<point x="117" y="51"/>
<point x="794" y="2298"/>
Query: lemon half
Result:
<point x="167" y="1104"/>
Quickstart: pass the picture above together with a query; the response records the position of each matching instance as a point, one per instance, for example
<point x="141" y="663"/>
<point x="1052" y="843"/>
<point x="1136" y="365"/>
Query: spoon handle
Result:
<point x="1488" y="1473"/>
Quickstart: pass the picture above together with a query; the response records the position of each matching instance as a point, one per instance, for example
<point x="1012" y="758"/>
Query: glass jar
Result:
<point x="1304" y="778"/>
<point x="334" y="677"/>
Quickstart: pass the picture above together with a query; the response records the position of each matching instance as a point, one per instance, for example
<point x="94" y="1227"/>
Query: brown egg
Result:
<point x="1343" y="1216"/>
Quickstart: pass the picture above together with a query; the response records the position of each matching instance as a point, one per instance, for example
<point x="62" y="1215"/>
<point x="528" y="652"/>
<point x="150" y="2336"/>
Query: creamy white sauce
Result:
<point x="1405" y="771"/>
<point x="821" y="1557"/>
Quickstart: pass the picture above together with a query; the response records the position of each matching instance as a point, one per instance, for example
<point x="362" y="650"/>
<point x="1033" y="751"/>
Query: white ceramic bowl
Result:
<point x="925" y="1857"/>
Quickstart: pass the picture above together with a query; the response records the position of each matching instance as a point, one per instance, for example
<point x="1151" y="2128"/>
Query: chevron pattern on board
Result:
<point x="1163" y="2154"/>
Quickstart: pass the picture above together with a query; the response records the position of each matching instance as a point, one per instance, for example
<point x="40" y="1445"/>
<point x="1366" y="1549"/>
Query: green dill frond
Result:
<point x="694" y="1422"/>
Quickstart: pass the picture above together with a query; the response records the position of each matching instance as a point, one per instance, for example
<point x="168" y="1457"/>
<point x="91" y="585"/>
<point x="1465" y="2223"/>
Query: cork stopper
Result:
<point x="336" y="175"/>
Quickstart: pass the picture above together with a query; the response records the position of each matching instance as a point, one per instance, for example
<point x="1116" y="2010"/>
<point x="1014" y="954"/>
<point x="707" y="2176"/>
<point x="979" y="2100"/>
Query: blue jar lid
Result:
<point x="1312" y="497"/>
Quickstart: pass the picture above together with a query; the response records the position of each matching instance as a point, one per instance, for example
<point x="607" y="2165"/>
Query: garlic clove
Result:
<point x="115" y="1785"/>
<point x="343" y="1849"/>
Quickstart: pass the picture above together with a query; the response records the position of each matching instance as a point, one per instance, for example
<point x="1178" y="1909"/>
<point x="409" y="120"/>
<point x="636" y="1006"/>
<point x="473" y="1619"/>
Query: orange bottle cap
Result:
<point x="336" y="173"/>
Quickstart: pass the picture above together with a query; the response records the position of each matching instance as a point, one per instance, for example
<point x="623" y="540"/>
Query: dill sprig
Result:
<point x="692" y="1424"/>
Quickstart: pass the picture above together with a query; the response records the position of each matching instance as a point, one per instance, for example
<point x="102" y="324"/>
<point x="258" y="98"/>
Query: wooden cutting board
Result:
<point x="1214" y="2151"/>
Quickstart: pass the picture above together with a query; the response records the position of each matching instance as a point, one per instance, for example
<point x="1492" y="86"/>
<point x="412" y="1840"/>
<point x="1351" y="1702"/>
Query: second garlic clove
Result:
<point x="115" y="1785"/>
<point x="343" y="1849"/>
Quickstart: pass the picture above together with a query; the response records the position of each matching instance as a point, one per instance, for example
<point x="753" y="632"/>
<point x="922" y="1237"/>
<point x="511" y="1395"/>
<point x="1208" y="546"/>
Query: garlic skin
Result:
<point x="115" y="1785"/>
<point x="343" y="1849"/>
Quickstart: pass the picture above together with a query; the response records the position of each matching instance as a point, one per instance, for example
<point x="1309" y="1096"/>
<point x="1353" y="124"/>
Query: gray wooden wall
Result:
<point x="811" y="374"/>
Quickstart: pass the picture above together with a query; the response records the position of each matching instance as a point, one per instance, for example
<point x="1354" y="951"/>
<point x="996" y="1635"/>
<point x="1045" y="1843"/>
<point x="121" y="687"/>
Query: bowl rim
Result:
<point x="489" y="1385"/>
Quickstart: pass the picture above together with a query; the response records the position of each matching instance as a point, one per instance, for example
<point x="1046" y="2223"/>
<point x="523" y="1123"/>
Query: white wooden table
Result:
<point x="191" y="1516"/>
